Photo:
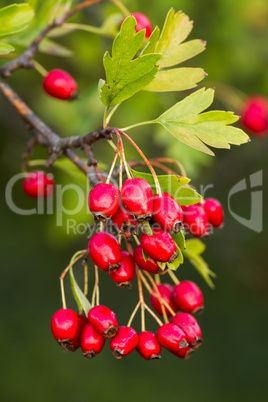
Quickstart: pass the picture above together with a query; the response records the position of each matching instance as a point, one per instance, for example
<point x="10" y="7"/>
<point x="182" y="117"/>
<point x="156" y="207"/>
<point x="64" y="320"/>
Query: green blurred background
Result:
<point x="232" y="363"/>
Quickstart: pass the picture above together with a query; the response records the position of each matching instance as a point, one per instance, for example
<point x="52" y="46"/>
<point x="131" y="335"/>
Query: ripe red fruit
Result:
<point x="59" y="84"/>
<point x="214" y="212"/>
<point x="195" y="220"/>
<point x="64" y="325"/>
<point x="167" y="213"/>
<point x="137" y="198"/>
<point x="165" y="291"/>
<point x="104" y="320"/>
<point x="105" y="251"/>
<point x="171" y="337"/>
<point x="38" y="184"/>
<point x="82" y="321"/>
<point x="148" y="346"/>
<point x="254" y="115"/>
<point x="188" y="297"/>
<point x="124" y="222"/>
<point x="150" y="265"/>
<point x="143" y="22"/>
<point x="124" y="275"/>
<point x="91" y="341"/>
<point x="103" y="201"/>
<point x="161" y="247"/>
<point x="191" y="328"/>
<point x="124" y="342"/>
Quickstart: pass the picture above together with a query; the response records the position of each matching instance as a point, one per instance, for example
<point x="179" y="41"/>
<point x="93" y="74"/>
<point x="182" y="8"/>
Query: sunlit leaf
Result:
<point x="15" y="18"/>
<point x="5" y="48"/>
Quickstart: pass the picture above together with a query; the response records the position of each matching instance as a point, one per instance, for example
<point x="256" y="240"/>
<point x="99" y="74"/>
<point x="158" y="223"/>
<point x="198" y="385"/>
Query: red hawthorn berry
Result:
<point x="82" y="321"/>
<point x="91" y="341"/>
<point x="38" y="184"/>
<point x="168" y="213"/>
<point x="191" y="328"/>
<point x="59" y="84"/>
<point x="161" y="247"/>
<point x="185" y="353"/>
<point x="125" y="274"/>
<point x="103" y="320"/>
<point x="125" y="222"/>
<point x="143" y="22"/>
<point x="150" y="265"/>
<point x="124" y="342"/>
<point x="105" y="251"/>
<point x="188" y="297"/>
<point x="165" y="291"/>
<point x="64" y="325"/>
<point x="171" y="337"/>
<point x="148" y="346"/>
<point x="103" y="201"/>
<point x="254" y="115"/>
<point x="137" y="198"/>
<point x="214" y="212"/>
<point x="195" y="220"/>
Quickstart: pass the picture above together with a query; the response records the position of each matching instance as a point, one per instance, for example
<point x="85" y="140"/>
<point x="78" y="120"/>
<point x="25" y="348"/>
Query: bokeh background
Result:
<point x="232" y="363"/>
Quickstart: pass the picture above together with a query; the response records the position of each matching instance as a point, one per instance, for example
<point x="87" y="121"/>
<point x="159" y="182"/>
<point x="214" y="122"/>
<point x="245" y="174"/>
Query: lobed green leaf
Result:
<point x="15" y="18"/>
<point x="5" y="48"/>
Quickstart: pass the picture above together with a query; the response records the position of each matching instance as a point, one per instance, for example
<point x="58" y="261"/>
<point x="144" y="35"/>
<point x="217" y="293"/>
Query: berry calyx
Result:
<point x="148" y="346"/>
<point x="214" y="212"/>
<point x="188" y="297"/>
<point x="38" y="184"/>
<point x="103" y="201"/>
<point x="195" y="220"/>
<point x="191" y="328"/>
<point x="167" y="213"/>
<point x="125" y="222"/>
<point x="105" y="251"/>
<point x="254" y="115"/>
<point x="124" y="342"/>
<point x="137" y="198"/>
<point x="165" y="291"/>
<point x="171" y="337"/>
<point x="161" y="247"/>
<point x="59" y="84"/>
<point x="125" y="274"/>
<point x="91" y="341"/>
<point x="103" y="320"/>
<point x="64" y="325"/>
<point x="150" y="265"/>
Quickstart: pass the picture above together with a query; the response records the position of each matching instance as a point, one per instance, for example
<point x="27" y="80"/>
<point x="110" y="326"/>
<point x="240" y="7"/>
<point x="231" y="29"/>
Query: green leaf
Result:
<point x="176" y="29"/>
<point x="5" y="48"/>
<point x="187" y="125"/>
<point x="152" y="41"/>
<point x="176" y="79"/>
<point x="173" y="185"/>
<point x="162" y="265"/>
<point x="145" y="256"/>
<point x="14" y="18"/>
<point x="80" y="298"/>
<point x="147" y="228"/>
<point x="192" y="253"/>
<point x="177" y="262"/>
<point x="179" y="240"/>
<point x="125" y="76"/>
<point x="196" y="246"/>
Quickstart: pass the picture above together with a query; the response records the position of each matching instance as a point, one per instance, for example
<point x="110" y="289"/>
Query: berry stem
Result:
<point x="36" y="162"/>
<point x="62" y="294"/>
<point x="141" y="301"/>
<point x="113" y="163"/>
<point x="97" y="285"/>
<point x="136" y="239"/>
<point x="133" y="314"/>
<point x="173" y="161"/>
<point x="161" y="301"/>
<point x="77" y="256"/>
<point x="153" y="315"/>
<point x="157" y="185"/>
<point x="121" y="7"/>
<point x="40" y="68"/>
<point x="122" y="154"/>
<point x="110" y="115"/>
<point x="157" y="279"/>
<point x="173" y="277"/>
<point x="85" y="279"/>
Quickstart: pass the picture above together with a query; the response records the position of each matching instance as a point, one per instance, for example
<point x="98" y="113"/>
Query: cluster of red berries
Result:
<point x="181" y="336"/>
<point x="254" y="115"/>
